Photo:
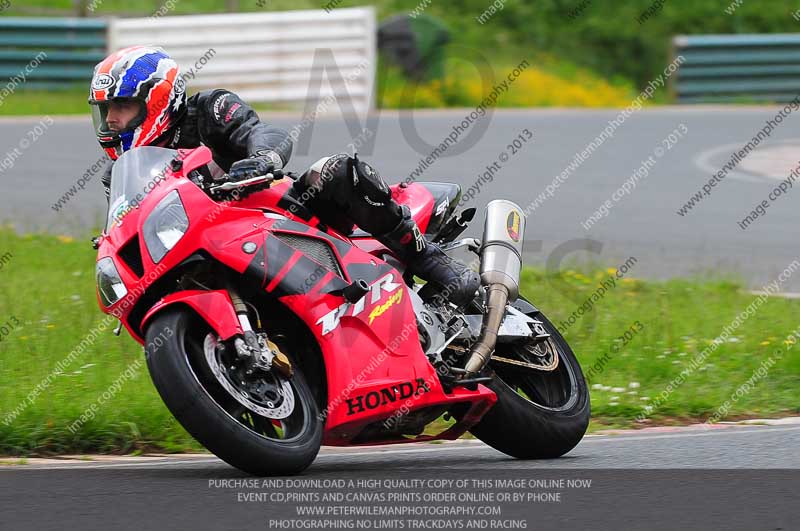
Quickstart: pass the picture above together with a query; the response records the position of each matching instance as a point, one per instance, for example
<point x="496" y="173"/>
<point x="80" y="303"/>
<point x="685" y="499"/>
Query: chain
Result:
<point x="550" y="367"/>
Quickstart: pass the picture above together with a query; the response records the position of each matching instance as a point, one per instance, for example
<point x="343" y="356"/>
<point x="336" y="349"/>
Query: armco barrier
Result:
<point x="72" y="47"/>
<point x="727" y="68"/>
<point x="290" y="56"/>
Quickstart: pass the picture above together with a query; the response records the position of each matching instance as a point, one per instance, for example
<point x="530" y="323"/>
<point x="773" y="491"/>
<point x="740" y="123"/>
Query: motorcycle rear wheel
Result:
<point x="244" y="439"/>
<point x="538" y="415"/>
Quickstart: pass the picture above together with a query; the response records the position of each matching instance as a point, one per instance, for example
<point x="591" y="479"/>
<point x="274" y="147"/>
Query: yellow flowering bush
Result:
<point x="535" y="87"/>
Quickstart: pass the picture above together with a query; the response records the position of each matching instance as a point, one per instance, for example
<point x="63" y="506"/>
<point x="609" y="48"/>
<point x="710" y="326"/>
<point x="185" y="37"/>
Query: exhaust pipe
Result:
<point x="501" y="262"/>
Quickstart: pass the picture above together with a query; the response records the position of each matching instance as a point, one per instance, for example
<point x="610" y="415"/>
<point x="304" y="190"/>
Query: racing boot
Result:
<point x="454" y="281"/>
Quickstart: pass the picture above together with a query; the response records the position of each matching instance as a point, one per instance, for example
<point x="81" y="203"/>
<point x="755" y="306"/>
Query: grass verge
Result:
<point x="47" y="287"/>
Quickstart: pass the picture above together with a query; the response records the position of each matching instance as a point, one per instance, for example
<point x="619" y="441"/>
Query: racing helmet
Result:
<point x="144" y="77"/>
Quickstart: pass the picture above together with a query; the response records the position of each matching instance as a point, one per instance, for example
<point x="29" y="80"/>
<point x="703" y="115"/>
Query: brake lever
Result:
<point x="234" y="185"/>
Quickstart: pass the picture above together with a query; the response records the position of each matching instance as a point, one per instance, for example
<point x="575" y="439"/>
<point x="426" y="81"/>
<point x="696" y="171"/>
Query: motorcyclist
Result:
<point x="138" y="98"/>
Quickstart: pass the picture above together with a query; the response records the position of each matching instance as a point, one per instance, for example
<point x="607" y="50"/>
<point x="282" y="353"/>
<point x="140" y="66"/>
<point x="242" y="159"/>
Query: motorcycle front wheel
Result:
<point x="272" y="428"/>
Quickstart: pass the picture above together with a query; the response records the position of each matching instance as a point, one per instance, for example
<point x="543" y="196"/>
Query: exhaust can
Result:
<point x="501" y="257"/>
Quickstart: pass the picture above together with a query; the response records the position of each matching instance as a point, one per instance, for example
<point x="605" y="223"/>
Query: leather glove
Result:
<point x="262" y="163"/>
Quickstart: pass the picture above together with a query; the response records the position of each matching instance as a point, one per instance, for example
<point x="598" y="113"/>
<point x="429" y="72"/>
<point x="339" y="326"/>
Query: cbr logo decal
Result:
<point x="383" y="285"/>
<point x="381" y="397"/>
<point x="379" y="310"/>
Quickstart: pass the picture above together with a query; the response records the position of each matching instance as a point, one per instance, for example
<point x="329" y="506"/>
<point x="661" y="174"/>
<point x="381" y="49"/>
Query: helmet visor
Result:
<point x="117" y="116"/>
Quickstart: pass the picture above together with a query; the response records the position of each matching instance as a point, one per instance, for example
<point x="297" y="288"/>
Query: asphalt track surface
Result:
<point x="729" y="477"/>
<point x="644" y="224"/>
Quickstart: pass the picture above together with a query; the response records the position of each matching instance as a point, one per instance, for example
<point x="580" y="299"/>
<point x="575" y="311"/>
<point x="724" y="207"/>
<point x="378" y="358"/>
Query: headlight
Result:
<point x="165" y="226"/>
<point x="109" y="285"/>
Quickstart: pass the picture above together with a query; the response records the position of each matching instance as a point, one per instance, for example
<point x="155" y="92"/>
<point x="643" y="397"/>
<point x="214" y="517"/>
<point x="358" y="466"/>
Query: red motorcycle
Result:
<point x="268" y="334"/>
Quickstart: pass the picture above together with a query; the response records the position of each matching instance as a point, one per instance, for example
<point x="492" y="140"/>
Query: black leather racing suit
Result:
<point x="229" y="127"/>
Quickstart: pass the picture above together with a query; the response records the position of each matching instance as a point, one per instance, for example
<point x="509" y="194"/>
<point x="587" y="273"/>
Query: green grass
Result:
<point x="680" y="318"/>
<point x="43" y="102"/>
<point x="73" y="101"/>
<point x="47" y="284"/>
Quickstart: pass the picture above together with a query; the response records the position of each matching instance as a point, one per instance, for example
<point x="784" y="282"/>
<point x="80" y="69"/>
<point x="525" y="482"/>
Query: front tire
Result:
<point x="538" y="415"/>
<point x="236" y="435"/>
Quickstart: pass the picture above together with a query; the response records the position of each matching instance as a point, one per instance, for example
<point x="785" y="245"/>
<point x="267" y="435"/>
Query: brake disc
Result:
<point x="272" y="409"/>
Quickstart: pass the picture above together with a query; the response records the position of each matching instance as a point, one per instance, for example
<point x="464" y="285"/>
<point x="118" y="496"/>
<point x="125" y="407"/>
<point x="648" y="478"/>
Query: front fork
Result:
<point x="255" y="348"/>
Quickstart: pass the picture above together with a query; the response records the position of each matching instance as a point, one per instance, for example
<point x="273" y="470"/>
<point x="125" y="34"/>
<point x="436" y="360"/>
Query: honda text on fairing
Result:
<point x="268" y="334"/>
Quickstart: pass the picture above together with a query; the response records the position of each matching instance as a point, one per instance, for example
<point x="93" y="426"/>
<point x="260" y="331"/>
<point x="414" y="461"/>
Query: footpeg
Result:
<point x="452" y="380"/>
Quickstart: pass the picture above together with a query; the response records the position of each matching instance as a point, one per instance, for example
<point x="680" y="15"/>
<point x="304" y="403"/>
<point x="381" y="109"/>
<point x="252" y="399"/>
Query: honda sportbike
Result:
<point x="268" y="334"/>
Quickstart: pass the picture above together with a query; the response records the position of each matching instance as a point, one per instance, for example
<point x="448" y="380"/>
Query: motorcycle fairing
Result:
<point x="371" y="349"/>
<point x="215" y="307"/>
<point x="368" y="346"/>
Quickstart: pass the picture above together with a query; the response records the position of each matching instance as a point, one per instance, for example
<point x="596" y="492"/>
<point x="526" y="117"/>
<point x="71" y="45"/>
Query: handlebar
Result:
<point x="228" y="185"/>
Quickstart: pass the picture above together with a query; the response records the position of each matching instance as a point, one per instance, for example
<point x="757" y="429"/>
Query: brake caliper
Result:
<point x="262" y="354"/>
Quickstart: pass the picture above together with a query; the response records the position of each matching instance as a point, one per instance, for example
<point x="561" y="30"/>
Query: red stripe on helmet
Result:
<point x="156" y="122"/>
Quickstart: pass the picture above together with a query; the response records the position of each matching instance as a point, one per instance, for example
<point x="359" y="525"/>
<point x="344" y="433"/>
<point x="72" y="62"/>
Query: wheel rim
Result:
<point x="288" y="425"/>
<point x="555" y="390"/>
<point x="272" y="398"/>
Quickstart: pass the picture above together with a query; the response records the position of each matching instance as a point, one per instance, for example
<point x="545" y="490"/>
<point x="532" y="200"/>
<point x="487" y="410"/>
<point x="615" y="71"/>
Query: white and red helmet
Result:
<point x="145" y="75"/>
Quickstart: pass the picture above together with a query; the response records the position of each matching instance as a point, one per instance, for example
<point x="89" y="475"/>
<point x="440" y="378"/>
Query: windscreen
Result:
<point x="134" y="175"/>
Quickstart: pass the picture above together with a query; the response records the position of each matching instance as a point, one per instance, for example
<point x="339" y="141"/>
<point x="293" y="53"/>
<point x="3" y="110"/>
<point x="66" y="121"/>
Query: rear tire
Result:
<point x="197" y="400"/>
<point x="529" y="428"/>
